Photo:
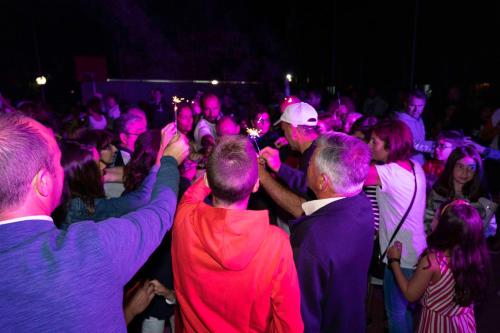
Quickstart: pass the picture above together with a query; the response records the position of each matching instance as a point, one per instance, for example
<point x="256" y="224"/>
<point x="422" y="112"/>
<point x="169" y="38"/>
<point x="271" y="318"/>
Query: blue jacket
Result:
<point x="113" y="207"/>
<point x="72" y="281"/>
<point x="332" y="248"/>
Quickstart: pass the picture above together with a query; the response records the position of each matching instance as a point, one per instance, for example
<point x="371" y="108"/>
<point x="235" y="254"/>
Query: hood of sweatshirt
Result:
<point x="231" y="237"/>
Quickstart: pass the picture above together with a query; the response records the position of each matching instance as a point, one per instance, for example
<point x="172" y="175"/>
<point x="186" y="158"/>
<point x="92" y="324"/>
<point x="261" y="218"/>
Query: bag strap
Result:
<point x="405" y="215"/>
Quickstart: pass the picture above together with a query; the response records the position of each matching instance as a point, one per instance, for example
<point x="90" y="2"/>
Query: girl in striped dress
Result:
<point x="451" y="274"/>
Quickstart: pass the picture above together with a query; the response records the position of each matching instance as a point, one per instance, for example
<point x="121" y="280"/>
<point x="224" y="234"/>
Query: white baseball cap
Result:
<point x="299" y="114"/>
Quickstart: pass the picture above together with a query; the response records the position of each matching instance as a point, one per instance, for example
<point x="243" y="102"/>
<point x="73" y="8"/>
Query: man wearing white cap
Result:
<point x="299" y="123"/>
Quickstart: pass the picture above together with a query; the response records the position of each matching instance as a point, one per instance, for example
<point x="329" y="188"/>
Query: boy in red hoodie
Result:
<point x="233" y="271"/>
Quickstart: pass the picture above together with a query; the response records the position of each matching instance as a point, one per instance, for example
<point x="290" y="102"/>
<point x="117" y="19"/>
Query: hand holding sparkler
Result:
<point x="254" y="133"/>
<point x="176" y="100"/>
<point x="272" y="158"/>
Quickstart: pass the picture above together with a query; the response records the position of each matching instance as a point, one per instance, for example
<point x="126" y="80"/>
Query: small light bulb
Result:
<point x="41" y="80"/>
<point x="215" y="82"/>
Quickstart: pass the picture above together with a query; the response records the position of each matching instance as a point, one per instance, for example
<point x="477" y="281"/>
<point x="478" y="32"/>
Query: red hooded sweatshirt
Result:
<point x="233" y="271"/>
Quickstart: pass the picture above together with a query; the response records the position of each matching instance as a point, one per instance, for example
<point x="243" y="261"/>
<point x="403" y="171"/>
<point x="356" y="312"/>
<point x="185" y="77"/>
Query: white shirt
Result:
<point x="310" y="207"/>
<point x="114" y="112"/>
<point x="27" y="218"/>
<point x="203" y="128"/>
<point x="393" y="198"/>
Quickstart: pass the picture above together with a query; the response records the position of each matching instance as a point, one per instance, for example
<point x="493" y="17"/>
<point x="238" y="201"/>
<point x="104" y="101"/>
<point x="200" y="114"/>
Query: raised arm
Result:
<point x="295" y="179"/>
<point x="128" y="241"/>
<point x="282" y="196"/>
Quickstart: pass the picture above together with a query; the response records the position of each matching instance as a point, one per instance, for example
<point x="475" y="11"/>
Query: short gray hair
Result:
<point x="345" y="160"/>
<point x="23" y="152"/>
<point x="122" y="123"/>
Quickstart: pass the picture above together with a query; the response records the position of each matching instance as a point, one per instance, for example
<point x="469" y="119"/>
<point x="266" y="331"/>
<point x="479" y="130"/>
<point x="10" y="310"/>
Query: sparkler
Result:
<point x="176" y="100"/>
<point x="254" y="133"/>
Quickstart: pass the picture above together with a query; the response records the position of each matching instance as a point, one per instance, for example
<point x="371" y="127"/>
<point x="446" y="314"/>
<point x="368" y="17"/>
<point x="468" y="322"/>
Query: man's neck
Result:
<point x="329" y="195"/>
<point x="21" y="212"/>
<point x="239" y="205"/>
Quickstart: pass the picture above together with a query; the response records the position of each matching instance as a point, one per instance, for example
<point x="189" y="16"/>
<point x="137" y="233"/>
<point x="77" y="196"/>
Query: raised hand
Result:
<point x="272" y="158"/>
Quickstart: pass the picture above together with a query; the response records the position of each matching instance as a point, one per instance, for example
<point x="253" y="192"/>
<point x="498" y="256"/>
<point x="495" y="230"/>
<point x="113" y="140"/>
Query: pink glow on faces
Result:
<point x="464" y="170"/>
<point x="227" y="126"/>
<point x="211" y="109"/>
<point x="185" y="120"/>
<point x="443" y="150"/>
<point x="415" y="107"/>
<point x="377" y="146"/>
<point x="262" y="122"/>
<point x="134" y="129"/>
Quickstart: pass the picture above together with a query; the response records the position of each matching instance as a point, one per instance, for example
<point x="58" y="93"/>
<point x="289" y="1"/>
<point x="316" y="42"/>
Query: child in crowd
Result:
<point x="452" y="274"/>
<point x="446" y="142"/>
<point x="461" y="179"/>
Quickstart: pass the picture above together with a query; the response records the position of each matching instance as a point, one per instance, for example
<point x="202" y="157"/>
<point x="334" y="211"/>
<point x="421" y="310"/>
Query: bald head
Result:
<point x="27" y="149"/>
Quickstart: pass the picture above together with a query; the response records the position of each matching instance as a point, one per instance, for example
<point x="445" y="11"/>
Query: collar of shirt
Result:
<point x="28" y="218"/>
<point x="310" y="207"/>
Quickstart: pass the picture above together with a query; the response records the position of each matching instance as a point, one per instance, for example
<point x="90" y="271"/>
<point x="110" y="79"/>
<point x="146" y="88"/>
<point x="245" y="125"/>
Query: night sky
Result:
<point x="320" y="42"/>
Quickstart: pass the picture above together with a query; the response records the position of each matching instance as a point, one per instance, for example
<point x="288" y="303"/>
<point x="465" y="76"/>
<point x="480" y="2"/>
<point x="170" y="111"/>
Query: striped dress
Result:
<point x="440" y="313"/>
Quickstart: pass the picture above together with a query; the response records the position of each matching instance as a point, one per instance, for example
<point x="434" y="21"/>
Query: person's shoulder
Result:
<point x="277" y="234"/>
<point x="430" y="261"/>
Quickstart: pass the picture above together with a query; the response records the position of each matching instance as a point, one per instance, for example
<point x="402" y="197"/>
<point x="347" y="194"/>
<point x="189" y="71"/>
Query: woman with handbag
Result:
<point x="401" y="200"/>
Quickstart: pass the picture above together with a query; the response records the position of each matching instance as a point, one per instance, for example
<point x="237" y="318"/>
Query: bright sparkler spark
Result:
<point x="253" y="133"/>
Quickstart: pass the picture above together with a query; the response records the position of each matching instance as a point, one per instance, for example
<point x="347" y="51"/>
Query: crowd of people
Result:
<point x="202" y="217"/>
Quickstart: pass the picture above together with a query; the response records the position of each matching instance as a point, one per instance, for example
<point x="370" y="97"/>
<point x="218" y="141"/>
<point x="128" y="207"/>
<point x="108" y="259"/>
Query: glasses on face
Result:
<point x="466" y="167"/>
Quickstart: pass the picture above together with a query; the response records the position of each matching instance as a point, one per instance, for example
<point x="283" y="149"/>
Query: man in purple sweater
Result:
<point x="69" y="281"/>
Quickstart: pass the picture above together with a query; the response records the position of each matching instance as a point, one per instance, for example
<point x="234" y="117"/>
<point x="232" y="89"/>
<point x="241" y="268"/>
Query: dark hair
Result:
<point x="232" y="169"/>
<point x="444" y="186"/>
<point x="95" y="104"/>
<point x="460" y="230"/>
<point x="455" y="137"/>
<point x="23" y="152"/>
<point x="397" y="138"/>
<point x="82" y="175"/>
<point x="206" y="96"/>
<point x="419" y="94"/>
<point x="364" y="125"/>
<point x="100" y="139"/>
<point x="142" y="159"/>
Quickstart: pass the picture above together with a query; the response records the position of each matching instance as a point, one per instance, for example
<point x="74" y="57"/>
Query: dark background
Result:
<point x="322" y="43"/>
